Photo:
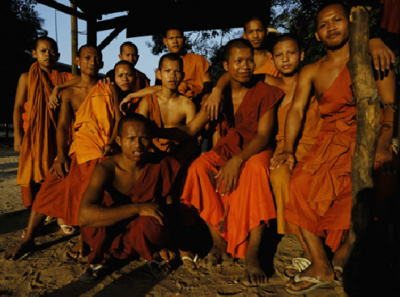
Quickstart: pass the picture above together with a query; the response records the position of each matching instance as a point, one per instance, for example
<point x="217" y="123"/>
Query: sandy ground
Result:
<point x="47" y="272"/>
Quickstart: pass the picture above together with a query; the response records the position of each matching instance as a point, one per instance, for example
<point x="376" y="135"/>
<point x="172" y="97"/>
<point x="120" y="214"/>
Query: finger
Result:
<point x="392" y="57"/>
<point x="219" y="181"/>
<point x="386" y="59"/>
<point x="214" y="113"/>
<point x="291" y="163"/>
<point x="159" y="219"/>
<point x="235" y="184"/>
<point x="224" y="186"/>
<point x="66" y="166"/>
<point x="376" y="62"/>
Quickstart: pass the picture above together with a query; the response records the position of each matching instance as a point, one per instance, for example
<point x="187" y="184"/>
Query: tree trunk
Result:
<point x="368" y="115"/>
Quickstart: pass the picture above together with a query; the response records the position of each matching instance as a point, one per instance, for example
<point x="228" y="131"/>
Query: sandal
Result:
<point x="299" y="264"/>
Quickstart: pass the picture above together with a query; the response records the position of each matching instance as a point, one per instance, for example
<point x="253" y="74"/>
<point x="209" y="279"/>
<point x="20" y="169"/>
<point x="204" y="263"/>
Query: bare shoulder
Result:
<point x="185" y="101"/>
<point x="273" y="81"/>
<point x="23" y="79"/>
<point x="106" y="169"/>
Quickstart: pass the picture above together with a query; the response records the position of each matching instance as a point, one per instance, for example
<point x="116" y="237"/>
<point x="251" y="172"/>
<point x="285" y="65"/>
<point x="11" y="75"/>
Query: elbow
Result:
<point x="82" y="218"/>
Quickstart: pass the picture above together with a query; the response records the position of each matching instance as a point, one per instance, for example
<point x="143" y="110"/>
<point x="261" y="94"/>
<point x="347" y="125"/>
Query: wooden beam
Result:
<point x="91" y="31"/>
<point x="63" y="8"/>
<point x="110" y="37"/>
<point x="366" y="97"/>
<point x="112" y="23"/>
<point x="74" y="40"/>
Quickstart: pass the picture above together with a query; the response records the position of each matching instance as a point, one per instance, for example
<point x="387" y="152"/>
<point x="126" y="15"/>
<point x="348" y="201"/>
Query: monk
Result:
<point x="196" y="84"/>
<point x="123" y="210"/>
<point x="286" y="56"/>
<point x="167" y="108"/>
<point x="320" y="188"/>
<point x="229" y="185"/>
<point x="96" y="114"/>
<point x="36" y="145"/>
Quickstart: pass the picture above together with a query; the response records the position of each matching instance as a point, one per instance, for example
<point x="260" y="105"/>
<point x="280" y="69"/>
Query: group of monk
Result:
<point x="121" y="159"/>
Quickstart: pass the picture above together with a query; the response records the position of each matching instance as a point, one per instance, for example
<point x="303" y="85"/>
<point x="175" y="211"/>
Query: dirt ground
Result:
<point x="47" y="272"/>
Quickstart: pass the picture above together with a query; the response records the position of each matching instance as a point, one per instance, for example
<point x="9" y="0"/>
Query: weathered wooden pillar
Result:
<point x="74" y="39"/>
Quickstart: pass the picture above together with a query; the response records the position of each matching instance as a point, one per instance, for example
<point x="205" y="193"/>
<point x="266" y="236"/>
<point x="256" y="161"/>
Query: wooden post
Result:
<point x="74" y="39"/>
<point x="366" y="96"/>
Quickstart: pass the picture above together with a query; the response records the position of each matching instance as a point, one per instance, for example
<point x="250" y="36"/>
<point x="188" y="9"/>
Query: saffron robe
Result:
<point x="140" y="235"/>
<point x="38" y="148"/>
<point x="252" y="202"/>
<point x="280" y="177"/>
<point x="184" y="150"/>
<point x="268" y="68"/>
<point x="93" y="127"/>
<point x="390" y="16"/>
<point x="195" y="67"/>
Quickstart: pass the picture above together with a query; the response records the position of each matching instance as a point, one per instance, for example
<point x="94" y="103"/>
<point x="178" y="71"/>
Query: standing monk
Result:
<point x="320" y="188"/>
<point x="94" y="108"/>
<point x="125" y="201"/>
<point x="32" y="114"/>
<point x="229" y="185"/>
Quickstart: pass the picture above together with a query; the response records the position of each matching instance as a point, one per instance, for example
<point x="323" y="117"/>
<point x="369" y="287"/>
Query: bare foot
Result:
<point x="22" y="248"/>
<point x="167" y="255"/>
<point x="79" y="251"/>
<point x="320" y="273"/>
<point x="189" y="260"/>
<point x="216" y="255"/>
<point x="253" y="274"/>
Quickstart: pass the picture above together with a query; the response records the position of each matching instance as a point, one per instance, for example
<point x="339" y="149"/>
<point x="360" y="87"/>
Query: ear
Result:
<point x="34" y="53"/>
<point x="302" y="55"/>
<point x="158" y="74"/>
<point x="165" y="41"/>
<point x="120" y="57"/>
<point x="244" y="35"/>
<point x="266" y="32"/>
<point x="317" y="36"/>
<point x="118" y="140"/>
<point x="78" y="61"/>
<point x="225" y="64"/>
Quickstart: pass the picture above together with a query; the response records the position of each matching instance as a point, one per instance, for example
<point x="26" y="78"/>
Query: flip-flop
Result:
<point x="298" y="264"/>
<point x="67" y="230"/>
<point x="194" y="260"/>
<point x="316" y="284"/>
<point x="93" y="273"/>
<point x="160" y="266"/>
<point x="339" y="269"/>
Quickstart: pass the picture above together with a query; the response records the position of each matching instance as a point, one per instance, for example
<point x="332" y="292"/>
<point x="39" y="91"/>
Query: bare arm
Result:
<point x="21" y="96"/>
<point x="212" y="105"/>
<point x="382" y="56"/>
<point x="387" y="88"/>
<point x="53" y="100"/>
<point x="294" y="119"/>
<point x="124" y="106"/>
<point x="231" y="170"/>
<point x="61" y="165"/>
<point x="93" y="214"/>
<point x="143" y="108"/>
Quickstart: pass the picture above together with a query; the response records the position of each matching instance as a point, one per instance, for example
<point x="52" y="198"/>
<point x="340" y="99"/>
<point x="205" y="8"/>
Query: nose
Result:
<point x="331" y="26"/>
<point x="286" y="58"/>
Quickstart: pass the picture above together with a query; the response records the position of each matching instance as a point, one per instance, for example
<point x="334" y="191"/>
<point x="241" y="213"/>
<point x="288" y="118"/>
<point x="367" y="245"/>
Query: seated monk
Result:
<point x="286" y="56"/>
<point x="321" y="186"/>
<point x="96" y="115"/>
<point x="167" y="109"/>
<point x="229" y="185"/>
<point x="37" y="146"/>
<point x="123" y="210"/>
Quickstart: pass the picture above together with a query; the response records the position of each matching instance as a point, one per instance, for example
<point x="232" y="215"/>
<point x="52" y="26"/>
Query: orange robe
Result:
<point x="140" y="82"/>
<point x="195" y="67"/>
<point x="141" y="235"/>
<point x="252" y="202"/>
<point x="93" y="127"/>
<point x="320" y="188"/>
<point x="268" y="68"/>
<point x="38" y="148"/>
<point x="280" y="177"/>
<point x="184" y="150"/>
<point x="390" y="16"/>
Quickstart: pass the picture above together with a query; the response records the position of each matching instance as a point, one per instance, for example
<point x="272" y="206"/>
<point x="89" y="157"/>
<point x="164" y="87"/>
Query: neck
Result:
<point x="290" y="79"/>
<point x="88" y="80"/>
<point x="238" y="87"/>
<point x="340" y="53"/>
<point x="46" y="69"/>
<point x="131" y="165"/>
<point x="168" y="94"/>
<point x="260" y="51"/>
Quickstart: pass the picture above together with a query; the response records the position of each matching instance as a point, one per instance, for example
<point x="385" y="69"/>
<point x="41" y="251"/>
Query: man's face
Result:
<point x="255" y="33"/>
<point x="170" y="74"/>
<point x="135" y="141"/>
<point x="89" y="61"/>
<point x="129" y="53"/>
<point x="332" y="26"/>
<point x="174" y="41"/>
<point x="287" y="56"/>
<point x="46" y="54"/>
<point x="241" y="64"/>
<point x="124" y="77"/>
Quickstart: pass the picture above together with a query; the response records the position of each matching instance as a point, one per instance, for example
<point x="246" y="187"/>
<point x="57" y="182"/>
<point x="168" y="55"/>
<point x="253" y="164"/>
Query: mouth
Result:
<point x="286" y="66"/>
<point x="332" y="35"/>
<point x="245" y="74"/>
<point x="138" y="153"/>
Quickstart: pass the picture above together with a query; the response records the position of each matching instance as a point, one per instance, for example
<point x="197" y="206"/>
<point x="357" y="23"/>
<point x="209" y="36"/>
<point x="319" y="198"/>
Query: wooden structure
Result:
<point x="152" y="17"/>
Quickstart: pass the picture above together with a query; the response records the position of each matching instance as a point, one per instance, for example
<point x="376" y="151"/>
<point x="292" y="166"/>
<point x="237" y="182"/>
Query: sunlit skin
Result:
<point x="286" y="57"/>
<point x="174" y="41"/>
<point x="241" y="65"/>
<point x="171" y="74"/>
<point x="255" y="33"/>
<point x="129" y="53"/>
<point x="124" y="77"/>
